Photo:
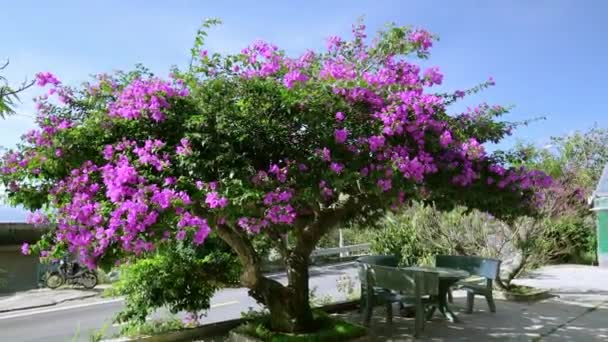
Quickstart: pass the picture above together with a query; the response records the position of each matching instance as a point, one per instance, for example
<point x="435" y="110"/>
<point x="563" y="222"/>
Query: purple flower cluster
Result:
<point x="37" y="218"/>
<point x="281" y="214"/>
<point x="214" y="200"/>
<point x="148" y="154"/>
<point x="252" y="225"/>
<point x="44" y="78"/>
<point x="145" y="98"/>
<point x="200" y="224"/>
<point x="422" y="38"/>
<point x="341" y="135"/>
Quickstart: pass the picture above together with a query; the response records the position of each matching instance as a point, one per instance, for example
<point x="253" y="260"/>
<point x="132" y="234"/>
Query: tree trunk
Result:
<point x="297" y="275"/>
<point x="289" y="305"/>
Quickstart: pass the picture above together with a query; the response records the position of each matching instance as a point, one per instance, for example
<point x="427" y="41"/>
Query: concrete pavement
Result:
<point x="579" y="313"/>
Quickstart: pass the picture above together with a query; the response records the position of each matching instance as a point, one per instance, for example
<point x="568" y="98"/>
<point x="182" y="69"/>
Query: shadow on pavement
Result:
<point x="549" y="320"/>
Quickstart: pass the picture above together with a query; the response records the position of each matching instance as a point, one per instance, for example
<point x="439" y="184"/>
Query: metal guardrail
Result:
<point x="342" y="251"/>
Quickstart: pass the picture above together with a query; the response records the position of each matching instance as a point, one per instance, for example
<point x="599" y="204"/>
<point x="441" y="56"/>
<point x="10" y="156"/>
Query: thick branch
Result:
<point x="325" y="221"/>
<point x="261" y="287"/>
<point x="244" y="249"/>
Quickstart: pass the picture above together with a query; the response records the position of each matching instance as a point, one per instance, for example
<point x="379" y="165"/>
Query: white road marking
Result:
<point x="63" y="308"/>
<point x="232" y="302"/>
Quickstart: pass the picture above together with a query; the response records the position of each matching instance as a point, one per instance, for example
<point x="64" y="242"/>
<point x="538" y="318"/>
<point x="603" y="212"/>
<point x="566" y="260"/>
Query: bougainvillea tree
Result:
<point x="258" y="143"/>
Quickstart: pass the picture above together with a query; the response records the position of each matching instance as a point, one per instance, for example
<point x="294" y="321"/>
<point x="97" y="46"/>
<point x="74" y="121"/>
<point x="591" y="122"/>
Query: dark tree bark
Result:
<point x="289" y="305"/>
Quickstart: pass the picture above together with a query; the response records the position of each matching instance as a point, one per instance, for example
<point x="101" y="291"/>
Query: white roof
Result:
<point x="602" y="185"/>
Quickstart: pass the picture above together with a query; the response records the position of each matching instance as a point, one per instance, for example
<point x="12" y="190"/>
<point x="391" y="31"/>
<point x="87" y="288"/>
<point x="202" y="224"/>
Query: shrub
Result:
<point x="569" y="239"/>
<point x="181" y="278"/>
<point x="420" y="232"/>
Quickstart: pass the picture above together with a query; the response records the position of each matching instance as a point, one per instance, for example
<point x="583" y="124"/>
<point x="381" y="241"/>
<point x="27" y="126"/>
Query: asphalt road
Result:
<point x="76" y="321"/>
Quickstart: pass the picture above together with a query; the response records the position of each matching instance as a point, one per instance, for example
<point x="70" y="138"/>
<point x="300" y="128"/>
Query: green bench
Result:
<point x="483" y="271"/>
<point x="387" y="285"/>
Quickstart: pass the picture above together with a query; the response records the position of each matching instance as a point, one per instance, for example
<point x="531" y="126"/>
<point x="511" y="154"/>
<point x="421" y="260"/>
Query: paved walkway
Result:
<point x="579" y="313"/>
<point x="45" y="297"/>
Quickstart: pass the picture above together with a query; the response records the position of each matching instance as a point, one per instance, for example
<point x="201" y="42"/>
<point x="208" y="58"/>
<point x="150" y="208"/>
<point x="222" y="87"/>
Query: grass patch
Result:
<point x="153" y="327"/>
<point x="330" y="329"/>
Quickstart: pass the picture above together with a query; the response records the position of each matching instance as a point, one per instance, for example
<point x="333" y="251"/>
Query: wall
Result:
<point x="21" y="271"/>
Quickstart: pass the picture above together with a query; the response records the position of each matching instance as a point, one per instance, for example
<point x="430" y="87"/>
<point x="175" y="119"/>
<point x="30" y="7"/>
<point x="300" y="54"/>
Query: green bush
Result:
<point x="569" y="239"/>
<point x="181" y="278"/>
<point x="420" y="232"/>
<point x="154" y="327"/>
<point x="399" y="238"/>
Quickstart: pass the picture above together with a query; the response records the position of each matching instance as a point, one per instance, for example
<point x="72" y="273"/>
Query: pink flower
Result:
<point x="376" y="142"/>
<point x="201" y="234"/>
<point x="336" y="167"/>
<point x="422" y="38"/>
<point x="445" y="139"/>
<point x="334" y="43"/>
<point x="325" y="154"/>
<point x="44" y="78"/>
<point x="339" y="116"/>
<point x="293" y="76"/>
<point x="25" y="249"/>
<point x="37" y="219"/>
<point x="473" y="149"/>
<point x="184" y="148"/>
<point x="149" y="97"/>
<point x="385" y="184"/>
<point x="341" y="135"/>
<point x="108" y="152"/>
<point x="433" y="76"/>
<point x="214" y="200"/>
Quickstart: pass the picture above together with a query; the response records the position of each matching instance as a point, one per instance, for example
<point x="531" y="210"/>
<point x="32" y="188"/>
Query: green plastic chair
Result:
<point x="486" y="270"/>
<point x="380" y="260"/>
<point x="406" y="287"/>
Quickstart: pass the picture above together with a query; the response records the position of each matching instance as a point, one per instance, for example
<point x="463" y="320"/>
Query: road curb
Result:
<point x="52" y="303"/>
<point x="219" y="328"/>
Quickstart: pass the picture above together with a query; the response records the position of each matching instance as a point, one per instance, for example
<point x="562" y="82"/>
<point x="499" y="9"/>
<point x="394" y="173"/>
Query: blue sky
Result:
<point x="548" y="57"/>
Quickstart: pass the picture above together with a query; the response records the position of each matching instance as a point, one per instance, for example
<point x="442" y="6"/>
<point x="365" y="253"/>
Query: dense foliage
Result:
<point x="181" y="278"/>
<point x="258" y="143"/>
<point x="576" y="162"/>
<point x="418" y="233"/>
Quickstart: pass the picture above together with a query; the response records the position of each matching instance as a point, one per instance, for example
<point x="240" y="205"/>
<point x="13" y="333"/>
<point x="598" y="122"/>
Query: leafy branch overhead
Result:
<point x="9" y="96"/>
